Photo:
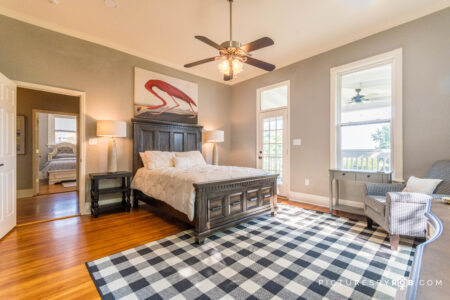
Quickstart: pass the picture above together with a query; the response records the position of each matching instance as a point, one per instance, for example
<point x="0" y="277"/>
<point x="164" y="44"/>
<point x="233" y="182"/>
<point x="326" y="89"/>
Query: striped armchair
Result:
<point x="403" y="213"/>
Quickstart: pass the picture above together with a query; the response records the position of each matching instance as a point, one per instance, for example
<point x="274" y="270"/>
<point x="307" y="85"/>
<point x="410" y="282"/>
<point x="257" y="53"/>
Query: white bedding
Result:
<point x="175" y="185"/>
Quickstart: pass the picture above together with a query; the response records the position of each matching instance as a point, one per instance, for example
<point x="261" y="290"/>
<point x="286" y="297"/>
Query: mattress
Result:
<point x="174" y="186"/>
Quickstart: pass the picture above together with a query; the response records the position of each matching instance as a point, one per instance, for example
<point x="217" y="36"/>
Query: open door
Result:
<point x="7" y="155"/>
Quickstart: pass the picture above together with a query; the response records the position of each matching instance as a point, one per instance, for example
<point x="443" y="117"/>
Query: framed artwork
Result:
<point x="165" y="98"/>
<point x="20" y="135"/>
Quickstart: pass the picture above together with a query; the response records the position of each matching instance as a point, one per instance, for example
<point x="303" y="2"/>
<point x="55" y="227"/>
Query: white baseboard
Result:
<point x="25" y="193"/>
<point x="320" y="200"/>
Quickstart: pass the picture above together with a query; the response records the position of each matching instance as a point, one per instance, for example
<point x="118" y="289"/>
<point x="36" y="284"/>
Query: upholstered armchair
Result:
<point x="403" y="213"/>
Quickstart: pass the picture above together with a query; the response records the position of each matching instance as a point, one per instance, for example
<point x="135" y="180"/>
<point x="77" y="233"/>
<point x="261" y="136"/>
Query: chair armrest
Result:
<point x="402" y="197"/>
<point x="380" y="189"/>
<point x="405" y="213"/>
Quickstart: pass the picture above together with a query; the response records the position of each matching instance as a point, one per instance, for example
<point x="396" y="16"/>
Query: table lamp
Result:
<point x="215" y="136"/>
<point x="112" y="129"/>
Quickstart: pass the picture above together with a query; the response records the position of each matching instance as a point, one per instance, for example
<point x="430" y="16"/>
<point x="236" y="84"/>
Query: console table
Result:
<point x="353" y="175"/>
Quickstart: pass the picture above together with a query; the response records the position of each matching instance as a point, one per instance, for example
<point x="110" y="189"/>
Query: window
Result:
<point x="274" y="98"/>
<point x="366" y="133"/>
<point x="62" y="129"/>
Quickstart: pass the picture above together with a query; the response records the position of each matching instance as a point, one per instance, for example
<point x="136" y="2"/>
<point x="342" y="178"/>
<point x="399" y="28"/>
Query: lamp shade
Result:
<point x="214" y="136"/>
<point x="111" y="128"/>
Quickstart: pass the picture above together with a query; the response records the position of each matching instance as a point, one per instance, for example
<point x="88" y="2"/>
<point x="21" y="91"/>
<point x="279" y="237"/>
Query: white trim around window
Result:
<point x="395" y="59"/>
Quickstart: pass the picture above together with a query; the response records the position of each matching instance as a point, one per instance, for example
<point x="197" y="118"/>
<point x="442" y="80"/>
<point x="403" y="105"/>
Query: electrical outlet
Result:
<point x="306" y="181"/>
<point x="92" y="141"/>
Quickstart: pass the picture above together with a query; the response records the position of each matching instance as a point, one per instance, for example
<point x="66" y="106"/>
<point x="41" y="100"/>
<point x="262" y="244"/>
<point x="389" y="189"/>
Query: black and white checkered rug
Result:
<point x="297" y="254"/>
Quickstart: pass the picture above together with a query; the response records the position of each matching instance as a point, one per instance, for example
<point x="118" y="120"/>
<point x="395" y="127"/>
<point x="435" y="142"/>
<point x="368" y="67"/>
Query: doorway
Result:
<point x="47" y="155"/>
<point x="55" y="140"/>
<point x="273" y="132"/>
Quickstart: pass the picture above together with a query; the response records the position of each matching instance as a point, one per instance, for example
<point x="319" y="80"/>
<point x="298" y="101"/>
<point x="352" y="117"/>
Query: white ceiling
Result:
<point x="163" y="30"/>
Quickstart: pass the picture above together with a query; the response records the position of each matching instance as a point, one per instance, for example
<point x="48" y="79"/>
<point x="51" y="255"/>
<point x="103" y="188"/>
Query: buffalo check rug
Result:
<point x="298" y="254"/>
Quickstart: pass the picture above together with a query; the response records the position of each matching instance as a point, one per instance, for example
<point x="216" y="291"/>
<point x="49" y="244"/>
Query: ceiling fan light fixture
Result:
<point x="235" y="64"/>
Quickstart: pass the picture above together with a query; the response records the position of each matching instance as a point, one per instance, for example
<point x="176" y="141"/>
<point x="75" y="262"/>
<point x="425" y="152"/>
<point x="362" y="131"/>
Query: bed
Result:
<point x="218" y="204"/>
<point x="61" y="164"/>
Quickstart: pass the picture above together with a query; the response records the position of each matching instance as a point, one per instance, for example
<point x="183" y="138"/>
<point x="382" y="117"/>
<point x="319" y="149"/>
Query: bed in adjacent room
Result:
<point x="61" y="165"/>
<point x="171" y="174"/>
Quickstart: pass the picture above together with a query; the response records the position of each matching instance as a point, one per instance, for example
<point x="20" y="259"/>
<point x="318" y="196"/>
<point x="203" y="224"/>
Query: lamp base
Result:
<point x="112" y="156"/>
<point x="215" y="155"/>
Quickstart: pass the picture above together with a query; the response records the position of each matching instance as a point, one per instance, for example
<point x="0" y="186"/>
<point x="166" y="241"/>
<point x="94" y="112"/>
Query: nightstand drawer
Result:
<point x="345" y="176"/>
<point x="377" y="178"/>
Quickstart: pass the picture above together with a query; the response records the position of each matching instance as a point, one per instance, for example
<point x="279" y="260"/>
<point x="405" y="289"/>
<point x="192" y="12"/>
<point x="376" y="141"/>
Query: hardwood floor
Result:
<point x="46" y="260"/>
<point x="47" y="207"/>
<point x="45" y="189"/>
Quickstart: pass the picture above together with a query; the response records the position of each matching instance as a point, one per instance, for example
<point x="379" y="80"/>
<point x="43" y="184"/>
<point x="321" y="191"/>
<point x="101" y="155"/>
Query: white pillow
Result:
<point x="182" y="162"/>
<point x="195" y="157"/>
<point x="144" y="159"/>
<point x="420" y="185"/>
<point x="159" y="159"/>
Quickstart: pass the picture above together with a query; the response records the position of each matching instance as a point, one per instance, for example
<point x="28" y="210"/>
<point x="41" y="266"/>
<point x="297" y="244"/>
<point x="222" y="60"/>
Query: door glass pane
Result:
<point x="274" y="98"/>
<point x="366" y="147"/>
<point x="366" y="95"/>
<point x="273" y="146"/>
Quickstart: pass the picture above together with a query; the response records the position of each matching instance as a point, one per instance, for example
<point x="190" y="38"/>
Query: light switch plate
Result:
<point x="92" y="141"/>
<point x="297" y="142"/>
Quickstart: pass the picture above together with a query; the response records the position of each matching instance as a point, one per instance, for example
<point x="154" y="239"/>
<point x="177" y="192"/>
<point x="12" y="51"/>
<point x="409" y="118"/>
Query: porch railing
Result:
<point x="368" y="160"/>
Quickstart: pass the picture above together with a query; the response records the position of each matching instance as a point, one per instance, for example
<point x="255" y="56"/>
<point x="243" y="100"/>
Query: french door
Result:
<point x="7" y="155"/>
<point x="273" y="145"/>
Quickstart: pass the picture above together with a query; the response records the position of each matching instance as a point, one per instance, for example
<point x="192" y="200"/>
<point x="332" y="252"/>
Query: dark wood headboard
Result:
<point x="163" y="136"/>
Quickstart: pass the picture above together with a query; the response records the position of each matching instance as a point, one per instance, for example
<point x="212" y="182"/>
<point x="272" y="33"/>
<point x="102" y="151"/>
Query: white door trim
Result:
<point x="287" y="185"/>
<point x="82" y="131"/>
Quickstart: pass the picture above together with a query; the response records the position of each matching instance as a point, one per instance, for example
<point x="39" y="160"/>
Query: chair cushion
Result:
<point x="377" y="203"/>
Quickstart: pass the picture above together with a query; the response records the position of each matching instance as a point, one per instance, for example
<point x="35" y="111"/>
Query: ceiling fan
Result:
<point x="234" y="53"/>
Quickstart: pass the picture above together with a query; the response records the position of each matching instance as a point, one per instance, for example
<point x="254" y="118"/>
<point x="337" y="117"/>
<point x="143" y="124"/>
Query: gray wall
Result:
<point x="27" y="100"/>
<point x="426" y="102"/>
<point x="32" y="54"/>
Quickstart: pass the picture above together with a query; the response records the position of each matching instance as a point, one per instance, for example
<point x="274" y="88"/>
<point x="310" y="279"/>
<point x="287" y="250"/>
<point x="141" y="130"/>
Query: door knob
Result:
<point x="1" y="165"/>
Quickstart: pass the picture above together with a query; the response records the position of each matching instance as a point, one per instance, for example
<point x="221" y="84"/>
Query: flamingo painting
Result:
<point x="162" y="97"/>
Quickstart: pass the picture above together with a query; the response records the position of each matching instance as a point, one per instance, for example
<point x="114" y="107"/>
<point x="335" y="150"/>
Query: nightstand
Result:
<point x="124" y="188"/>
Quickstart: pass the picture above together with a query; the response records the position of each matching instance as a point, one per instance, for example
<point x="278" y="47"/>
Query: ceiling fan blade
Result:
<point x="205" y="40"/>
<point x="229" y="77"/>
<point x="196" y="63"/>
<point x="258" y="44"/>
<point x="259" y="64"/>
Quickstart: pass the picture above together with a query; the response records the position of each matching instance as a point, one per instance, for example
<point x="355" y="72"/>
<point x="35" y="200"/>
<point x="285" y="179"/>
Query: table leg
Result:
<point x="124" y="203"/>
<point x="94" y="197"/>
<point x="331" y="193"/>
<point x="128" y="193"/>
<point x="337" y="191"/>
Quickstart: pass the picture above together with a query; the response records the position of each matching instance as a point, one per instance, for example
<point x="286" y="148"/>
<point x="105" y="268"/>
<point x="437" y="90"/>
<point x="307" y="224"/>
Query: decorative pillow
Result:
<point x="420" y="185"/>
<point x="195" y="157"/>
<point x="159" y="159"/>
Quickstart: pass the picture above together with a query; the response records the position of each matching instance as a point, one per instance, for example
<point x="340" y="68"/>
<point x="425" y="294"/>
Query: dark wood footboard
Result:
<point x="221" y="204"/>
